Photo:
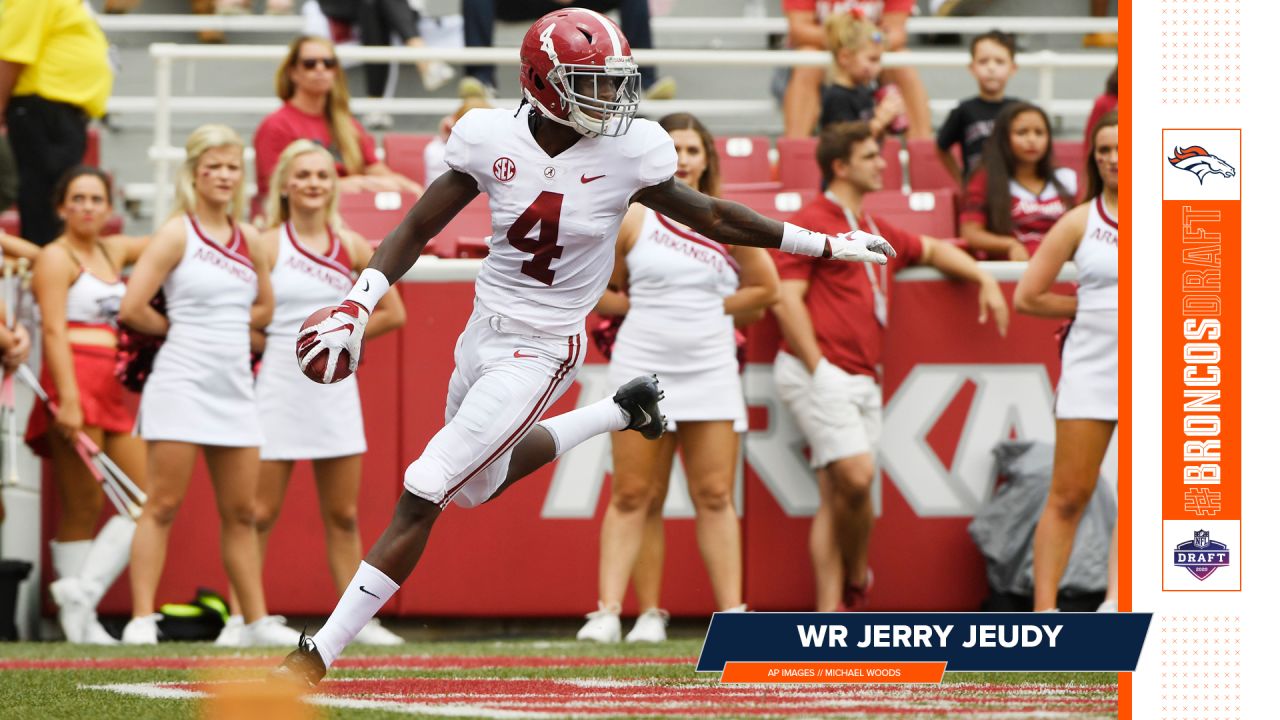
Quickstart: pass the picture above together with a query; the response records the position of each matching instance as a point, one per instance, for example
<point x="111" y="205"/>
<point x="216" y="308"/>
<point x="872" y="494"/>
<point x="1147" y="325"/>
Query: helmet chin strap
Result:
<point x="584" y="131"/>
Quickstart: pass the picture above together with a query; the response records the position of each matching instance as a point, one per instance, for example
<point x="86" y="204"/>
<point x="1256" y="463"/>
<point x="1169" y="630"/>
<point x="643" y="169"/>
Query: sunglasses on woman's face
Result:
<point x="311" y="63"/>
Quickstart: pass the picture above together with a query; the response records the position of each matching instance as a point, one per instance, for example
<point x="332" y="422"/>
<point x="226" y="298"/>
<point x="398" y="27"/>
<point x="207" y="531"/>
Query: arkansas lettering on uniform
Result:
<point x="921" y="636"/>
<point x="222" y="262"/>
<point x="338" y="281"/>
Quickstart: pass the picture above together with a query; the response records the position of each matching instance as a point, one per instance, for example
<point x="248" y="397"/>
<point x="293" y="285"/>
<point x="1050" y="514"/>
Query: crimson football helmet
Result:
<point x="576" y="69"/>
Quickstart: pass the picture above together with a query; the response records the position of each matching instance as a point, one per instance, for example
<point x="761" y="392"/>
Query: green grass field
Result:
<point x="548" y="678"/>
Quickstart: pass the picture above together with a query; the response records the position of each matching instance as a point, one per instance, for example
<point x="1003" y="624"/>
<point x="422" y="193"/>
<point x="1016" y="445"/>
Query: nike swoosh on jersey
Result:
<point x="366" y="592"/>
<point x="517" y="354"/>
<point x="586" y="179"/>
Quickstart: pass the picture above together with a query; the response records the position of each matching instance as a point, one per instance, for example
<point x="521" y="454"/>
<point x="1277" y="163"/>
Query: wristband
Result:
<point x="799" y="241"/>
<point x="369" y="288"/>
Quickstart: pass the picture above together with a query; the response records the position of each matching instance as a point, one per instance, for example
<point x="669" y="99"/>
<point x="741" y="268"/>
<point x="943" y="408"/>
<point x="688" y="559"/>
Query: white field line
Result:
<point x="786" y="703"/>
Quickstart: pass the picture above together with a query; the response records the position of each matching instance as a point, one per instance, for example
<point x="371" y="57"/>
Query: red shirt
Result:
<point x="1032" y="214"/>
<point x="288" y="124"/>
<point x="871" y="10"/>
<point x="841" y="297"/>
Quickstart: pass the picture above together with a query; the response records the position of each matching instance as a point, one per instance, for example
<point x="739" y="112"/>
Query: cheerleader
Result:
<point x="78" y="285"/>
<point x="684" y="293"/>
<point x="1086" y="410"/>
<point x="312" y="259"/>
<point x="199" y="396"/>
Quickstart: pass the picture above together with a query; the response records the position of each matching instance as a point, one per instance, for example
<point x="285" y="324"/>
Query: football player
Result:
<point x="560" y="173"/>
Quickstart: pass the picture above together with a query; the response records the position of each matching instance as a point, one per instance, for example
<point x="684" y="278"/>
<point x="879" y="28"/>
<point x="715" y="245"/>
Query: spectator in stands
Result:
<point x="78" y="285"/>
<point x="969" y="123"/>
<point x="199" y="396"/>
<point x="433" y="154"/>
<point x="54" y="76"/>
<point x="311" y="256"/>
<point x="316" y="107"/>
<point x="1018" y="192"/>
<point x="1086" y="407"/>
<point x="1108" y="101"/>
<point x="377" y="22"/>
<point x="478" y="17"/>
<point x="853" y="93"/>
<point x="682" y="294"/>
<point x="832" y="321"/>
<point x="801" y="103"/>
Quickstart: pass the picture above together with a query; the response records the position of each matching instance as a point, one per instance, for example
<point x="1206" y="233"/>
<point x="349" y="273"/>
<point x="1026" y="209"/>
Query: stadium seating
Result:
<point x="1071" y="154"/>
<point x="798" y="163"/>
<point x="744" y="163"/>
<point x="403" y="153"/>
<point x="930" y="213"/>
<point x="925" y="171"/>
<point x="774" y="204"/>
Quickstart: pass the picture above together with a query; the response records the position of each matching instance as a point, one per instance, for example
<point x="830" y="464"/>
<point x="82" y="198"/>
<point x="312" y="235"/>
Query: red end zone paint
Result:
<point x="406" y="662"/>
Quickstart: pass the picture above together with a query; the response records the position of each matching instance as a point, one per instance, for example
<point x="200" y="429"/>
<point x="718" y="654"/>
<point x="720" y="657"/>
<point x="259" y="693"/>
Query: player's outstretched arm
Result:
<point x="735" y="224"/>
<point x="443" y="199"/>
<point x="342" y="329"/>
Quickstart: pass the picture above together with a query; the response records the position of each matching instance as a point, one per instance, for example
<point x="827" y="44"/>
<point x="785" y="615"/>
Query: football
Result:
<point x="306" y="341"/>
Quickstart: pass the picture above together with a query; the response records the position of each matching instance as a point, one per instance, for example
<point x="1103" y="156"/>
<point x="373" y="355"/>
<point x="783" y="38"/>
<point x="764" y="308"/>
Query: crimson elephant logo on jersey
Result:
<point x="1195" y="159"/>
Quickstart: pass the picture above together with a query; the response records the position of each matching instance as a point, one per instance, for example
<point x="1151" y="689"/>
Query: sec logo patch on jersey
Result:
<point x="504" y="169"/>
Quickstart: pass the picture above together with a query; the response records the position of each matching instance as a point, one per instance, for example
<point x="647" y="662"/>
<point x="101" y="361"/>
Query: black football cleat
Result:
<point x="302" y="666"/>
<point x="639" y="400"/>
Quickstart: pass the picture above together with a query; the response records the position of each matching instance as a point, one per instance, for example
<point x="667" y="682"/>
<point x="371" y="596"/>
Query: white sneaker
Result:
<point x="232" y="633"/>
<point x="74" y="611"/>
<point x="375" y="634"/>
<point x="736" y="609"/>
<point x="603" y="625"/>
<point x="142" y="631"/>
<point x="95" y="634"/>
<point x="1108" y="606"/>
<point x="377" y="121"/>
<point x="269" y="631"/>
<point x="437" y="75"/>
<point x="650" y="627"/>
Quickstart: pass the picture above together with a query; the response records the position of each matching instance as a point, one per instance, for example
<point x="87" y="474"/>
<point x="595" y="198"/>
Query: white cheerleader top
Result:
<point x="1097" y="261"/>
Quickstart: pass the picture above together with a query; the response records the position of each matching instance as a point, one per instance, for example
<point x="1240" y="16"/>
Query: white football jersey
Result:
<point x="555" y="219"/>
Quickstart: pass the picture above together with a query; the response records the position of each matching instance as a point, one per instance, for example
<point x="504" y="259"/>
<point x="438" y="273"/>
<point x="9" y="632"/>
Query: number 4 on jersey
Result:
<point x="545" y="210"/>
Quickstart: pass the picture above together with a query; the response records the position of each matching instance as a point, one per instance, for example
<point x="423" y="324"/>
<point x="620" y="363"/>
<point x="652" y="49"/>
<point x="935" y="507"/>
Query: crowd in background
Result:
<point x="999" y="150"/>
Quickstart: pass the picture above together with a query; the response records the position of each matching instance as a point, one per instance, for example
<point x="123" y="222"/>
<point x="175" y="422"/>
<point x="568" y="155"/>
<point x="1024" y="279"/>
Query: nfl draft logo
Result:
<point x="1200" y="555"/>
<point x="1198" y="161"/>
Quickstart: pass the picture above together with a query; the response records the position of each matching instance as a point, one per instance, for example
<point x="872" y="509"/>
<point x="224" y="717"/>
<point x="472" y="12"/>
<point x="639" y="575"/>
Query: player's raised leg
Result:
<point x="490" y="440"/>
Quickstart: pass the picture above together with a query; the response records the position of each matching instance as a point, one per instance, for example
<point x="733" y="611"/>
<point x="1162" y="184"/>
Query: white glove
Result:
<point x="343" y="329"/>
<point x="859" y="246"/>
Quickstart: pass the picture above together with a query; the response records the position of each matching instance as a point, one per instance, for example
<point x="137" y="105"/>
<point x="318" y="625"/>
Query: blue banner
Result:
<point x="965" y="641"/>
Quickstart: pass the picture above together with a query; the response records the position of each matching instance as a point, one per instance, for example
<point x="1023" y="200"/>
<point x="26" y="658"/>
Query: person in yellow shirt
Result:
<point x="54" y="76"/>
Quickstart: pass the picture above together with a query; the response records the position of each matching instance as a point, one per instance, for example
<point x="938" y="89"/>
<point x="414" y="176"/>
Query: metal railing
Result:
<point x="163" y="105"/>
<point x="707" y="26"/>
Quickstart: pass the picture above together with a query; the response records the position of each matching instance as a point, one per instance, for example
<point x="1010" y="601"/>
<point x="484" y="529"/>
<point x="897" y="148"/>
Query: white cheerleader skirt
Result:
<point x="696" y="364"/>
<point x="302" y="419"/>
<point x="1088" y="388"/>
<point x="200" y="389"/>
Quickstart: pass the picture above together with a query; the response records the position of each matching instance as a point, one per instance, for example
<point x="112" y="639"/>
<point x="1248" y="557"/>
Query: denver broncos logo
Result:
<point x="1195" y="159"/>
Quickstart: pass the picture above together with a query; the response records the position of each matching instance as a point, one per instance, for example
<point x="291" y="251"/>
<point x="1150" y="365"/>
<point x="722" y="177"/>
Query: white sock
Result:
<point x="576" y="426"/>
<point x="68" y="557"/>
<point x="368" y="591"/>
<point x="107" y="556"/>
